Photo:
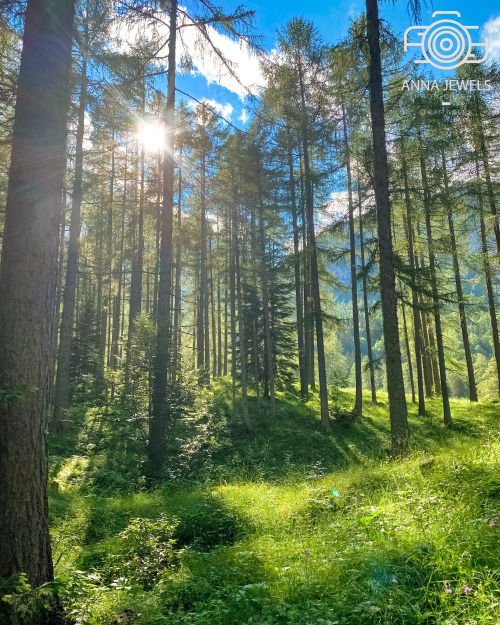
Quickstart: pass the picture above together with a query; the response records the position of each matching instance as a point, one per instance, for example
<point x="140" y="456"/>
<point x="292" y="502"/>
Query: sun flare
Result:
<point x="152" y="135"/>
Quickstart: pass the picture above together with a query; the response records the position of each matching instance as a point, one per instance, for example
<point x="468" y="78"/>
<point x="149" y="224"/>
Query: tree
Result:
<point x="28" y="285"/>
<point x="395" y="385"/>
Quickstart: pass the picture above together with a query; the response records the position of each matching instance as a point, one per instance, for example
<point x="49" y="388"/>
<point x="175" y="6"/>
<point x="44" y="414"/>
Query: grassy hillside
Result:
<point x="249" y="528"/>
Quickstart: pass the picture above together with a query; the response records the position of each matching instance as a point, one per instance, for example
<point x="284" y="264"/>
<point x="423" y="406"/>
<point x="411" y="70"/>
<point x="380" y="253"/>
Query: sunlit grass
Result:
<point x="266" y="541"/>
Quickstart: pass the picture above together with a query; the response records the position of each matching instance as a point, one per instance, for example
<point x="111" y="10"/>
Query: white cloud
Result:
<point x="244" y="74"/>
<point x="243" y="117"/>
<point x="492" y="30"/>
<point x="223" y="109"/>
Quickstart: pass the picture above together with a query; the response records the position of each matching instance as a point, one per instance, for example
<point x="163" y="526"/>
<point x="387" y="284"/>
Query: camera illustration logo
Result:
<point x="446" y="44"/>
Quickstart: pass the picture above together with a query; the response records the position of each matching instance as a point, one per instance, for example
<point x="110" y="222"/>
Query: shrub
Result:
<point x="145" y="548"/>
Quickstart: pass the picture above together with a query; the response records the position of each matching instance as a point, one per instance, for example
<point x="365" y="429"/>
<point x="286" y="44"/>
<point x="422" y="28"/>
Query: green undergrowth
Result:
<point x="248" y="528"/>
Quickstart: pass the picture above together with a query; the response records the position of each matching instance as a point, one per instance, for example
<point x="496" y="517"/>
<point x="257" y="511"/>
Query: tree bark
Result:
<point x="313" y="253"/>
<point x="408" y="354"/>
<point x="417" y="330"/>
<point x="435" y="296"/>
<point x="62" y="387"/>
<point x="28" y="279"/>
<point x="458" y="283"/>
<point x="489" y="185"/>
<point x="265" y="294"/>
<point x="241" y="322"/>
<point x="296" y="266"/>
<point x="117" y="304"/>
<point x="358" y="404"/>
<point x="159" y="420"/>
<point x="365" y="304"/>
<point x="202" y="318"/>
<point x="395" y="383"/>
<point x="488" y="278"/>
<point x="178" y="295"/>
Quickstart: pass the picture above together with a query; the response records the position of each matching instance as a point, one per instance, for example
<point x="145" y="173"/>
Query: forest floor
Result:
<point x="283" y="526"/>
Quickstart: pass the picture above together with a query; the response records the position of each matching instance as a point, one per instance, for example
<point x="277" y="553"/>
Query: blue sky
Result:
<point x="332" y="18"/>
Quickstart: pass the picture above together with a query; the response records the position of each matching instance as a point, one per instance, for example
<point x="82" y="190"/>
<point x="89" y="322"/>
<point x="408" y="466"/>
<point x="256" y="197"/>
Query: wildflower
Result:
<point x="448" y="591"/>
<point x="467" y="590"/>
<point x="492" y="524"/>
<point x="394" y="580"/>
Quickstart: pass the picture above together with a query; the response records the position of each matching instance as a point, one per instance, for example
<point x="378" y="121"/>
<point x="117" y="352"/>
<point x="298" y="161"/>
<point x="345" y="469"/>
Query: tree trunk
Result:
<point x="157" y="246"/>
<point x="296" y="263"/>
<point x="178" y="295"/>
<point x="232" y="295"/>
<point x="115" y="339"/>
<point x="395" y="383"/>
<point x="62" y="388"/>
<point x="241" y="322"/>
<point x="489" y="185"/>
<point x="28" y="285"/>
<point x="219" y="326"/>
<point x="365" y="304"/>
<point x="226" y="329"/>
<point x="316" y="297"/>
<point x="458" y="283"/>
<point x="160" y="408"/>
<point x="358" y="404"/>
<point x="265" y="294"/>
<point x="203" y="338"/>
<point x="110" y="245"/>
<point x="435" y="296"/>
<point x="308" y="314"/>
<point x="212" y="309"/>
<point x="136" y="278"/>
<point x="417" y="330"/>
<point x="408" y="353"/>
<point x="487" y="275"/>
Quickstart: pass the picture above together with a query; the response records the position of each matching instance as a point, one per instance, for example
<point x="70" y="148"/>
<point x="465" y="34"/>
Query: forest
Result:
<point x="249" y="369"/>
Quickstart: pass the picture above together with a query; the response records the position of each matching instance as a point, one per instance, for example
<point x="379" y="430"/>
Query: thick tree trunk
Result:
<point x="28" y="285"/>
<point x="435" y="296"/>
<point x="62" y="387"/>
<point x="358" y="404"/>
<point x="458" y="283"/>
<point x="160" y="408"/>
<point x="395" y="383"/>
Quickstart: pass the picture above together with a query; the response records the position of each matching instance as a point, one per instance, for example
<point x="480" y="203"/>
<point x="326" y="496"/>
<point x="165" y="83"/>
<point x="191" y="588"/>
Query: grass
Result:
<point x="260" y="538"/>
